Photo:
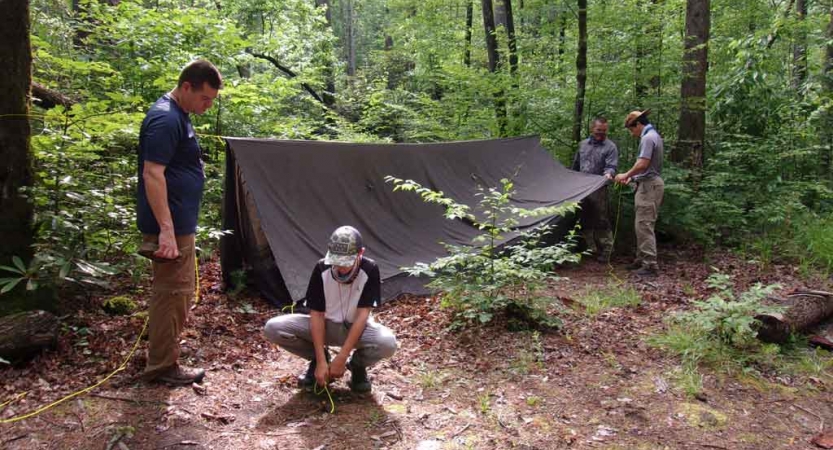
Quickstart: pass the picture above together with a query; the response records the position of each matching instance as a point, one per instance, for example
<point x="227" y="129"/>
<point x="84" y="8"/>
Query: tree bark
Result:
<point x="491" y="39"/>
<point x="469" y="20"/>
<point x="329" y="73"/>
<point x="804" y="309"/>
<point x="15" y="154"/>
<point x="511" y="39"/>
<point x="800" y="47"/>
<point x="691" y="136"/>
<point x="581" y="70"/>
<point x="24" y="335"/>
<point x="350" y="38"/>
<point x="494" y="64"/>
<point x="827" y="125"/>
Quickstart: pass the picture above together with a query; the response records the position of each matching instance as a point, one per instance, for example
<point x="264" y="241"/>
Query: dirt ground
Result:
<point x="594" y="384"/>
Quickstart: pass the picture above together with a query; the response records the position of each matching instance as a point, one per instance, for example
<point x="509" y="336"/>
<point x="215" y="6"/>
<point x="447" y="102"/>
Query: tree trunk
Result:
<point x="510" y="34"/>
<point x="469" y="20"/>
<point x="350" y="38"/>
<point x="692" y="126"/>
<point x="494" y="64"/>
<point x="500" y="13"/>
<point x="800" y="47"/>
<point x="15" y="154"/>
<point x="329" y="74"/>
<point x="804" y="309"/>
<point x="491" y="39"/>
<point x="581" y="70"/>
<point x="24" y="335"/>
<point x="827" y="117"/>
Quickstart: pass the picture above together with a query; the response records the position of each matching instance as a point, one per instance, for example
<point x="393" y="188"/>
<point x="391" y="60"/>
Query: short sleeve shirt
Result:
<point x="339" y="301"/>
<point x="168" y="138"/>
<point x="650" y="147"/>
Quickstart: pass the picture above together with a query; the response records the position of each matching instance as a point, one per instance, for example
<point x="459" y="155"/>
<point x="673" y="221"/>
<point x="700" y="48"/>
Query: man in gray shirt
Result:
<point x="649" y="189"/>
<point x="600" y="156"/>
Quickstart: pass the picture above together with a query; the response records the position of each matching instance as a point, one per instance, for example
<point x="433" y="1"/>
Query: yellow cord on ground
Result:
<point x="330" y="397"/>
<point x="82" y="391"/>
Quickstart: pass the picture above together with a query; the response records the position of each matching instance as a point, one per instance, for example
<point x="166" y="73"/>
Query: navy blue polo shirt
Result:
<point x="167" y="138"/>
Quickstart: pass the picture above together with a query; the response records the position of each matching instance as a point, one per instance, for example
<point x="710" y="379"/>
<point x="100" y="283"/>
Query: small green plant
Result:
<point x="484" y="278"/>
<point x="119" y="305"/>
<point x="237" y="283"/>
<point x="613" y="296"/>
<point x="720" y="332"/>
<point x="430" y="379"/>
<point x="46" y="269"/>
<point x="533" y="401"/>
<point x="485" y="401"/>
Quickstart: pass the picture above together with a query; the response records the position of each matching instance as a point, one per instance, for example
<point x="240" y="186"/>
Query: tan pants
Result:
<point x="647" y="202"/>
<point x="173" y="288"/>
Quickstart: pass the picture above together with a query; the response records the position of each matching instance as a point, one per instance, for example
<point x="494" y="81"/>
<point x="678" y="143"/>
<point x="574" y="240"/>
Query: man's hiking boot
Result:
<point x="359" y="382"/>
<point x="180" y="376"/>
<point x="307" y="380"/>
<point x="647" y="271"/>
<point x="636" y="265"/>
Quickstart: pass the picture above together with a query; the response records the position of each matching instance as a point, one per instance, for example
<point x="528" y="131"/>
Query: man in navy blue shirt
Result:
<point x="171" y="181"/>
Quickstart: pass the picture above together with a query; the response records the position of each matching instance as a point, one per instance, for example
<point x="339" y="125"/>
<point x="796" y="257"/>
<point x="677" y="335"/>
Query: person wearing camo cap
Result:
<point x="344" y="287"/>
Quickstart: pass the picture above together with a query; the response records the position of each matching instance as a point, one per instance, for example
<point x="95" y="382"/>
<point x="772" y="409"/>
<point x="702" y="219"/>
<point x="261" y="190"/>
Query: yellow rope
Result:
<point x="82" y="391"/>
<point x="330" y="397"/>
<point x="197" y="274"/>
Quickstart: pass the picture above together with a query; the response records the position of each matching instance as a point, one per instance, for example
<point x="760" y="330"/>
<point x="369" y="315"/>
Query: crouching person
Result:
<point x="344" y="287"/>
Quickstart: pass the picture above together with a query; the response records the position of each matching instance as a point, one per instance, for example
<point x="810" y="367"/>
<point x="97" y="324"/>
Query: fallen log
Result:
<point x="47" y="98"/>
<point x="803" y="310"/>
<point x="24" y="335"/>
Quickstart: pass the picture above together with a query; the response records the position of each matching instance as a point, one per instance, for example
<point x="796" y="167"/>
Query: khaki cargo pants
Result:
<point x="647" y="202"/>
<point x="173" y="288"/>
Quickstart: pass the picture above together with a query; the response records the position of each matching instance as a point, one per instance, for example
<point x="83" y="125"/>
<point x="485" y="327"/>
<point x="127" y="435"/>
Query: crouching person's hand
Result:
<point x="337" y="367"/>
<point x="322" y="372"/>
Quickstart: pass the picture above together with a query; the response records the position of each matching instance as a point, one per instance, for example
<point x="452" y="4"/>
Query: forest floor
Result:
<point x="597" y="383"/>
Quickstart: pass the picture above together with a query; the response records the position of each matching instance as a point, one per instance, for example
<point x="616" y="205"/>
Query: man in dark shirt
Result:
<point x="171" y="181"/>
<point x="343" y="288"/>
<point x="597" y="155"/>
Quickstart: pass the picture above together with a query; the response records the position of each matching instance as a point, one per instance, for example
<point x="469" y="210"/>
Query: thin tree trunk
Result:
<point x="562" y="36"/>
<point x="827" y="125"/>
<point x="350" y="38"/>
<point x="510" y="34"/>
<point x="800" y="47"/>
<point x="469" y="20"/>
<point x="491" y="38"/>
<point x="494" y="64"/>
<point x="692" y="126"/>
<point x="581" y="69"/>
<point x="329" y="73"/>
<point x="15" y="154"/>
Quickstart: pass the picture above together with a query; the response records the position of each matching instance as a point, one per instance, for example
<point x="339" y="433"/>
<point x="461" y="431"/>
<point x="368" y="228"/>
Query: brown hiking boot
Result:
<point x="179" y="375"/>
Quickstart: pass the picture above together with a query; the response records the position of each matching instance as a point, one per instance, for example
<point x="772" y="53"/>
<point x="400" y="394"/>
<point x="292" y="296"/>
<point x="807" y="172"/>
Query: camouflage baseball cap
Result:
<point x="345" y="244"/>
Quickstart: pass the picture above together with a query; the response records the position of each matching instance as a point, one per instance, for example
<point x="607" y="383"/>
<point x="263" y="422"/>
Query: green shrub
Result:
<point x="482" y="279"/>
<point x="119" y="305"/>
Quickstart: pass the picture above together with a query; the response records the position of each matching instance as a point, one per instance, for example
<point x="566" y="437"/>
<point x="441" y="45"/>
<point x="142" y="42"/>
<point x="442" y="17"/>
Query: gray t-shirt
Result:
<point x="650" y="147"/>
<point x="596" y="157"/>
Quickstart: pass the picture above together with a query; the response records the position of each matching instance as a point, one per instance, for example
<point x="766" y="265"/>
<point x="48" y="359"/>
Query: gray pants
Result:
<point x="647" y="201"/>
<point x="292" y="333"/>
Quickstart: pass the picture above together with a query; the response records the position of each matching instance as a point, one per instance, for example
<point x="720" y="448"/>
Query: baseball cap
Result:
<point x="344" y="246"/>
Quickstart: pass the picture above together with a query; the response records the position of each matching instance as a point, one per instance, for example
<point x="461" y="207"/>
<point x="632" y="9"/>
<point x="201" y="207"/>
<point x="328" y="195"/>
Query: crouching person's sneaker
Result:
<point x="358" y="378"/>
<point x="179" y="375"/>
